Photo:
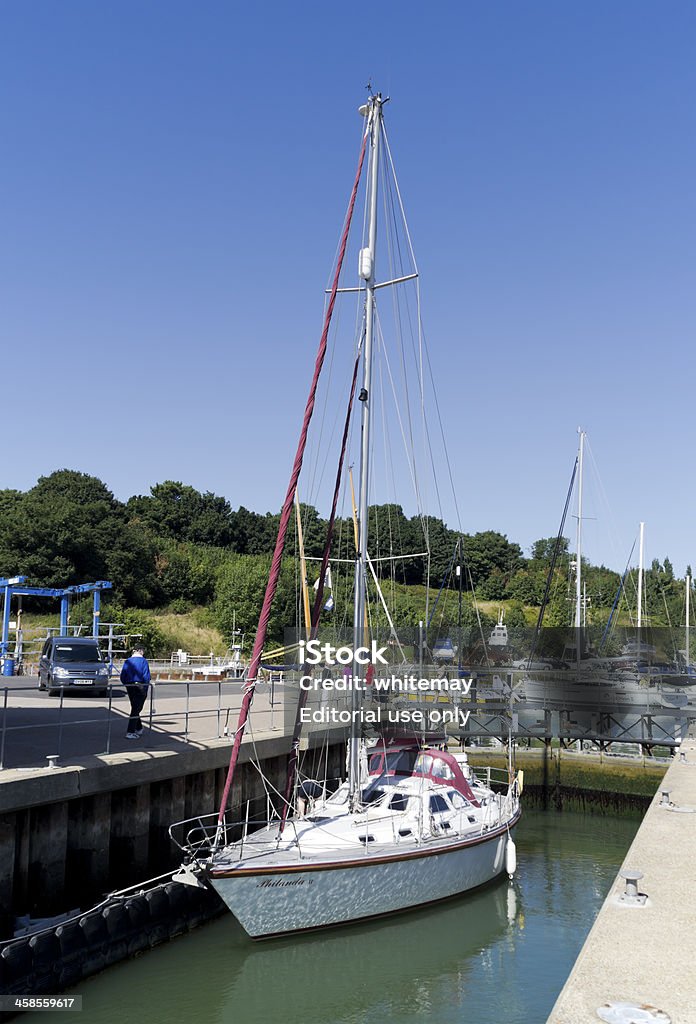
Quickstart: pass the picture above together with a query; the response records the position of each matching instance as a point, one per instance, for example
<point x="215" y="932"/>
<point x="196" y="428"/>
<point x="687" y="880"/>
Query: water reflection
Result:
<point x="502" y="953"/>
<point x="406" y="962"/>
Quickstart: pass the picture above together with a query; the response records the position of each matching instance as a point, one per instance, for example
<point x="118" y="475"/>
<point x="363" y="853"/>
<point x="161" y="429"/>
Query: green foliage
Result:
<point x="391" y="534"/>
<point x="186" y="571"/>
<point x="241" y="585"/>
<point x="491" y="552"/>
<point x="180" y="549"/>
<point x="182" y="513"/>
<point x="253" y="534"/>
<point x="602" y="586"/>
<point x="544" y="548"/>
<point x="494" y="587"/>
<point x="527" y="586"/>
<point x="70" y="529"/>
<point x="141" y="623"/>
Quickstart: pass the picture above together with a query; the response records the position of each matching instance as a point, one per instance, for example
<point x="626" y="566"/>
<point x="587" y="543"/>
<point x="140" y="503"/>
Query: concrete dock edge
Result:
<point x="644" y="953"/>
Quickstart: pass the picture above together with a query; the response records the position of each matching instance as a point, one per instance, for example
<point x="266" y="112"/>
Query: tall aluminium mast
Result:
<point x="687" y="581"/>
<point x="578" y="536"/>
<point x="579" y="596"/>
<point x="373" y="111"/>
<point x="641" y="556"/>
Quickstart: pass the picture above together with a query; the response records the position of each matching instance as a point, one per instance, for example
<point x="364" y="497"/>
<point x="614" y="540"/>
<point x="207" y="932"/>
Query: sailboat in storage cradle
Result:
<point x="411" y="824"/>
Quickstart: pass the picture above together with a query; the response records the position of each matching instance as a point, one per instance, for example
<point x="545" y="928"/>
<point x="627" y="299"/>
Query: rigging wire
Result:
<point x="554" y="559"/>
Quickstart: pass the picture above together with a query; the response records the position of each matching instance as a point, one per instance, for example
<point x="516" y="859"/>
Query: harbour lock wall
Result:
<point x="68" y="836"/>
<point x="558" y="779"/>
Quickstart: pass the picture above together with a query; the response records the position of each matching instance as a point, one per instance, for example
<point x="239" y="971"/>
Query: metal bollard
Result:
<point x="664" y="797"/>
<point x="631" y="896"/>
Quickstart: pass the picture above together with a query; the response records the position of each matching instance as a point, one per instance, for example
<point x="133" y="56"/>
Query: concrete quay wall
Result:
<point x="70" y="835"/>
<point x="644" y="953"/>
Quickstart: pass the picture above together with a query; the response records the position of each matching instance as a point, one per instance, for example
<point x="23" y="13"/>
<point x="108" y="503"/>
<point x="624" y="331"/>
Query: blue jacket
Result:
<point x="135" y="670"/>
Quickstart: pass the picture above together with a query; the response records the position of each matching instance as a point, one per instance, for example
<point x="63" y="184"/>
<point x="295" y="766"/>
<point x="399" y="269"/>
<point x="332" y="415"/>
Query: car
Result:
<point x="73" y="663"/>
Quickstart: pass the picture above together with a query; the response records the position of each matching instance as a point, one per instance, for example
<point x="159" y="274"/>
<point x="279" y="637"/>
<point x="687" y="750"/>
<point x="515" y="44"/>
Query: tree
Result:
<point x="70" y="529"/>
<point x="253" y="534"/>
<point x="182" y="513"/>
<point x="313" y="531"/>
<point x="494" y="587"/>
<point x="441" y="542"/>
<point x="186" y="572"/>
<point x="392" y="535"/>
<point x="489" y="552"/>
<point x="543" y="550"/>
<point x="527" y="585"/>
<point x="239" y="595"/>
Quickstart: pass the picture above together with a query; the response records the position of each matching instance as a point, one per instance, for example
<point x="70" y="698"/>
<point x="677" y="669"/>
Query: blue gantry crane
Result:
<point x="15" y="586"/>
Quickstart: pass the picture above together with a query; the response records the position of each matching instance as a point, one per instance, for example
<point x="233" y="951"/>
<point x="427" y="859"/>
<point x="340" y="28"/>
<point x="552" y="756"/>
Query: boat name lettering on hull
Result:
<point x="270" y="883"/>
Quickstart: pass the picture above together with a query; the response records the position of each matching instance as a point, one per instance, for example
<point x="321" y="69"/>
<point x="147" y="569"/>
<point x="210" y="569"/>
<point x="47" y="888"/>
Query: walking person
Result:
<point x="135" y="676"/>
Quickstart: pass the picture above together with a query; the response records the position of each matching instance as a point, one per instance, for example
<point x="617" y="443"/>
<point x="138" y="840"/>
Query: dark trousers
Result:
<point x="137" y="694"/>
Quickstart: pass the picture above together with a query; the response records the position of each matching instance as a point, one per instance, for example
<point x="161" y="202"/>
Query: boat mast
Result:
<point x="578" y="549"/>
<point x="640" y="583"/>
<point x="459" y="609"/>
<point x="373" y="111"/>
<point x="688" y="594"/>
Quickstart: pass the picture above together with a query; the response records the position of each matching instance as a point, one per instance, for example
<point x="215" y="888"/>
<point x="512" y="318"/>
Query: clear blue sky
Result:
<point x="172" y="183"/>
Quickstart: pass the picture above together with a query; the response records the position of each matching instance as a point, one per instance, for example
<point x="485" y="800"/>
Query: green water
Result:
<point x="499" y="956"/>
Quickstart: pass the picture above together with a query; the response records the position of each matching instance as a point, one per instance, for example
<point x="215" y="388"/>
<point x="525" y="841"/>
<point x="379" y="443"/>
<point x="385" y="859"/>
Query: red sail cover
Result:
<point x="272" y="584"/>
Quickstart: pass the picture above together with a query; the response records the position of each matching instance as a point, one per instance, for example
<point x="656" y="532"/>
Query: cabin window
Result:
<point x="438" y="804"/>
<point x="457" y="800"/>
<point x="441" y="770"/>
<point x="399" y="802"/>
<point x="395" y="762"/>
<point x="401" y="761"/>
<point x="366" y="839"/>
<point x="372" y="795"/>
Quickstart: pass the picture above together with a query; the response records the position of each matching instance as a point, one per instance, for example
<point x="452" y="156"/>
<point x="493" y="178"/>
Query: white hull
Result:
<point x="287" y="899"/>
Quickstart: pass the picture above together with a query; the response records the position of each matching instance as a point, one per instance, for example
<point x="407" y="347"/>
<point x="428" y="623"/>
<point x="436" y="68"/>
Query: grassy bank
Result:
<point x="164" y="631"/>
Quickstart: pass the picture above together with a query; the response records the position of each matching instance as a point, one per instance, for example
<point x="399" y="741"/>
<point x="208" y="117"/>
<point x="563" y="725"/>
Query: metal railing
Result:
<point x="62" y="720"/>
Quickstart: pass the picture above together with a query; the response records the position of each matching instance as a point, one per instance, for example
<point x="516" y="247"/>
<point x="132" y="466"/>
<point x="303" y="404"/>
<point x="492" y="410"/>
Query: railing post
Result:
<point x="188" y="697"/>
<point x="4" y="729"/>
<point x="108" y="720"/>
<point x="60" y="721"/>
<point x="152" y="704"/>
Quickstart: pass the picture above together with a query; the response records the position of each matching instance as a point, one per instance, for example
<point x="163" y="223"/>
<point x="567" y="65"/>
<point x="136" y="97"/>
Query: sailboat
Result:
<point x="412" y="824"/>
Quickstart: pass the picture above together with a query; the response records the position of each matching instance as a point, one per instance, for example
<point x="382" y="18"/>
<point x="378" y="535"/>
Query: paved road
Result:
<point x="81" y="725"/>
